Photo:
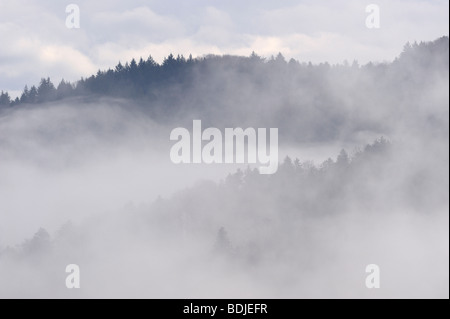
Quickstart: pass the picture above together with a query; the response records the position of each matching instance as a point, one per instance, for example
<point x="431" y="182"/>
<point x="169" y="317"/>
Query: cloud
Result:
<point x="135" y="25"/>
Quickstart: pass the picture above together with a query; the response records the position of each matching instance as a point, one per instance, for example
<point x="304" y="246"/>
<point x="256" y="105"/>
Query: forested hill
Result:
<point x="310" y="102"/>
<point x="144" y="78"/>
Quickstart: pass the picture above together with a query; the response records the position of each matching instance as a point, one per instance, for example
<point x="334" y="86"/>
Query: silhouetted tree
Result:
<point x="33" y="95"/>
<point x="5" y="99"/>
<point x="64" y="90"/>
<point x="46" y="91"/>
<point x="25" y="97"/>
<point x="207" y="82"/>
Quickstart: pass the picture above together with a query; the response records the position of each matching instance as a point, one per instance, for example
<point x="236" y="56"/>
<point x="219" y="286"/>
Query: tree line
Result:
<point x="143" y="78"/>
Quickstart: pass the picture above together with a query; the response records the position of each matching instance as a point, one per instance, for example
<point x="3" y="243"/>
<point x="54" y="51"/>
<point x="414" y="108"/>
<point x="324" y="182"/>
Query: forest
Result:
<point x="86" y="179"/>
<point x="310" y="102"/>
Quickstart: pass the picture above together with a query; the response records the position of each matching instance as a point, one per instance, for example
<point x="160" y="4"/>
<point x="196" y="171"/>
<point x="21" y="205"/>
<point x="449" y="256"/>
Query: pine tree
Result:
<point x="5" y="99"/>
<point x="25" y="97"/>
<point x="33" y="94"/>
<point x="46" y="91"/>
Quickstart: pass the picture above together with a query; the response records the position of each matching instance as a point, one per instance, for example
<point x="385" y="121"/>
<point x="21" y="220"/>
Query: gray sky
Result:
<point x="35" y="42"/>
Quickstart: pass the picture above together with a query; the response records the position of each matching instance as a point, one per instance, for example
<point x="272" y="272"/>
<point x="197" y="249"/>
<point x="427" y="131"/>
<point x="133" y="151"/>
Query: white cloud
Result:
<point x="136" y="24"/>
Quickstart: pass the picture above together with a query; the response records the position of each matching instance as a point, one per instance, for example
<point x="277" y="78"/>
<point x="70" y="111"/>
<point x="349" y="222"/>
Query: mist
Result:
<point x="363" y="179"/>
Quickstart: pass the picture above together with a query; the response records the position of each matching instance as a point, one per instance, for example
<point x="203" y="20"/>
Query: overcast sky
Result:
<point x="35" y="42"/>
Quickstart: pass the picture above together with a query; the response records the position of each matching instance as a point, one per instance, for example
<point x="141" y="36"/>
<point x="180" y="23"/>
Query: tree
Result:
<point x="280" y="59"/>
<point x="287" y="168"/>
<point x="33" y="94"/>
<point x="64" y="90"/>
<point x="25" y="97"/>
<point x="46" y="91"/>
<point x="141" y="63"/>
<point x="151" y="62"/>
<point x="5" y="99"/>
<point x="181" y="59"/>
<point x="119" y="67"/>
<point x="343" y="159"/>
<point x="169" y="62"/>
<point x="133" y="65"/>
<point x="15" y="102"/>
<point x="39" y="243"/>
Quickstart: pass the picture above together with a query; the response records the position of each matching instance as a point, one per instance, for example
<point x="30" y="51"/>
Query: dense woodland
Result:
<point x="295" y="193"/>
<point x="308" y="102"/>
<point x="360" y="182"/>
<point x="143" y="78"/>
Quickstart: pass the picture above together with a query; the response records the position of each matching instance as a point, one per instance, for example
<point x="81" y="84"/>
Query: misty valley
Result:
<point x="324" y="170"/>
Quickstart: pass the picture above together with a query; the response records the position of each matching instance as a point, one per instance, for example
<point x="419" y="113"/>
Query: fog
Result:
<point x="89" y="181"/>
<point x="66" y="161"/>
